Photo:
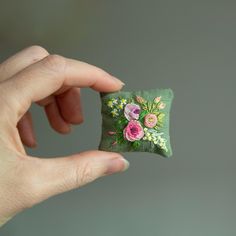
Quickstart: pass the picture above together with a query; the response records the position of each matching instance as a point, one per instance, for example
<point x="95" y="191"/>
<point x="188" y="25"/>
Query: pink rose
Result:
<point x="150" y="120"/>
<point x="132" y="111"/>
<point x="133" y="131"/>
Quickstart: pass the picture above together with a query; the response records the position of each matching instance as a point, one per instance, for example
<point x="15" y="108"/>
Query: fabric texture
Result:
<point x="136" y="121"/>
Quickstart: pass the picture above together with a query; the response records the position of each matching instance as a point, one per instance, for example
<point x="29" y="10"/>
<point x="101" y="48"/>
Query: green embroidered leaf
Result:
<point x="120" y="138"/>
<point x="136" y="144"/>
<point x="143" y="113"/>
<point x="156" y="113"/>
<point x="130" y="100"/>
<point x="149" y="106"/>
<point x="120" y="125"/>
<point x="153" y="107"/>
<point x="161" y="117"/>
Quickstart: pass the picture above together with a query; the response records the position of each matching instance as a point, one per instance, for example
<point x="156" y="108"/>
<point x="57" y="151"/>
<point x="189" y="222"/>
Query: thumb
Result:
<point x="57" y="175"/>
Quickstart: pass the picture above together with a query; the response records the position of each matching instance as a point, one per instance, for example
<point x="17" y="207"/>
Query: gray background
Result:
<point x="188" y="46"/>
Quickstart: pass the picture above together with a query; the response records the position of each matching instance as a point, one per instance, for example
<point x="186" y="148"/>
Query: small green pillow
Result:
<point x="136" y="121"/>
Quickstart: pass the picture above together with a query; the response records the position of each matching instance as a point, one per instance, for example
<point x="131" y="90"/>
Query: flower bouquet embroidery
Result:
<point x="137" y="121"/>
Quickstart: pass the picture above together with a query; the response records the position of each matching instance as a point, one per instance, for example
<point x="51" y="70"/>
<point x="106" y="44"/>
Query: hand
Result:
<point x="53" y="82"/>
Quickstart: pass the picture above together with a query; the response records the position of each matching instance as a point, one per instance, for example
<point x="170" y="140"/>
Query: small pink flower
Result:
<point x="150" y="120"/>
<point x="111" y="132"/>
<point x="157" y="99"/>
<point x="140" y="100"/>
<point x="114" y="143"/>
<point x="162" y="105"/>
<point x="133" y="131"/>
<point x="132" y="111"/>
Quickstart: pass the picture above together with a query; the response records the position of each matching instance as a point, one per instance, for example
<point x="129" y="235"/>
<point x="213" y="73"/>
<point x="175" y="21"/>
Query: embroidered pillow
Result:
<point x="136" y="121"/>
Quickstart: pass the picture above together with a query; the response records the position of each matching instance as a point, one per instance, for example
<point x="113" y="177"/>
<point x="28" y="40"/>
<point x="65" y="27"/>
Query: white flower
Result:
<point x="162" y="105"/>
<point x="114" y="100"/>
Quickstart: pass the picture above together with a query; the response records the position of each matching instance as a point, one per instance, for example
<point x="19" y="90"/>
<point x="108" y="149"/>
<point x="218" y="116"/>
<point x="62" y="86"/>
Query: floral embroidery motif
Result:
<point x="133" y="131"/>
<point x="132" y="111"/>
<point x="150" y="120"/>
<point x="116" y="105"/>
<point x="137" y="120"/>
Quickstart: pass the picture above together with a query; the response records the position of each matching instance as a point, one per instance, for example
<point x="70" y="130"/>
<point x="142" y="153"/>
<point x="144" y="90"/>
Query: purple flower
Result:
<point x="132" y="111"/>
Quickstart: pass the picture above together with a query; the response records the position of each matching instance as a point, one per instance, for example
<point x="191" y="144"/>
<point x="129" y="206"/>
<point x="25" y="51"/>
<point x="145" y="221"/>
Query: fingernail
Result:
<point x="117" y="165"/>
<point x="118" y="80"/>
<point x="126" y="165"/>
<point x="66" y="129"/>
<point x="34" y="144"/>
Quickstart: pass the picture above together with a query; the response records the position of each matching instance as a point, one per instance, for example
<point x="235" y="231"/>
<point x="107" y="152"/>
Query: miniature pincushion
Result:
<point x="136" y="121"/>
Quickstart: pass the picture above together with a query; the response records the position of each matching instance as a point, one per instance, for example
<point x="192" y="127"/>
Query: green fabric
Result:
<point x="127" y="125"/>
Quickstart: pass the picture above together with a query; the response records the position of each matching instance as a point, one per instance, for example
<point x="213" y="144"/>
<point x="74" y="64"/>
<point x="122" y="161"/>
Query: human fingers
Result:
<point x="25" y="128"/>
<point x="63" y="109"/>
<point x="57" y="175"/>
<point x="55" y="118"/>
<point x="10" y="67"/>
<point x="49" y="75"/>
<point x="21" y="60"/>
<point x="70" y="106"/>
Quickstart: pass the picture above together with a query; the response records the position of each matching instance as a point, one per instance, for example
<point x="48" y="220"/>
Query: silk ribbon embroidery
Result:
<point x="136" y="121"/>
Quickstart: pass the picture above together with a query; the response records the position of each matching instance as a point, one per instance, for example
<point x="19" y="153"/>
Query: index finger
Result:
<point x="47" y="76"/>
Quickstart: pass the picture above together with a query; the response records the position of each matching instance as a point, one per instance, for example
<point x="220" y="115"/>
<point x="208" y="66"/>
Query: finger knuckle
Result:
<point x="7" y="104"/>
<point x="83" y="175"/>
<point x="55" y="63"/>
<point x="102" y="73"/>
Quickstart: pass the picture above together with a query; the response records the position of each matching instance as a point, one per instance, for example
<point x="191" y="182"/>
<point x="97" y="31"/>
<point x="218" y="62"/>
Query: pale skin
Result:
<point x="53" y="82"/>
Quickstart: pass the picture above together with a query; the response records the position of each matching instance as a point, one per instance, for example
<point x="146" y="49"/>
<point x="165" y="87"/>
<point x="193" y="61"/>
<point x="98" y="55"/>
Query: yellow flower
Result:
<point x="120" y="106"/>
<point x="110" y="104"/>
<point x="123" y="101"/>
<point x="114" y="113"/>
